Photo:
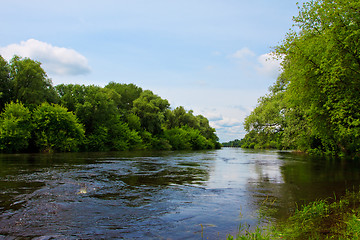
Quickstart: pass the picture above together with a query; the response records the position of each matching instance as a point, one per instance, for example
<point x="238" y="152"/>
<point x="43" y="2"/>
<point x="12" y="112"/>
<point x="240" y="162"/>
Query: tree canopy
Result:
<point x="318" y="109"/>
<point x="36" y="116"/>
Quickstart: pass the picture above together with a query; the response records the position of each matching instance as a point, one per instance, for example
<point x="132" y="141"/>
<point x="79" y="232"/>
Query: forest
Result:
<point x="314" y="106"/>
<point x="36" y="116"/>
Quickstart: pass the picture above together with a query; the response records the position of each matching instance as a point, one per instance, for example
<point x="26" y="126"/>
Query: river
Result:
<point x="160" y="195"/>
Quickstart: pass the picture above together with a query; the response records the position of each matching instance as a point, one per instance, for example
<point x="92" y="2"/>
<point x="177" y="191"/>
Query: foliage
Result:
<point x="116" y="117"/>
<point x="178" y="138"/>
<point x="29" y="82"/>
<point x="318" y="109"/>
<point x="234" y="143"/>
<point x="71" y="95"/>
<point x="267" y="122"/>
<point x="186" y="138"/>
<point x="322" y="219"/>
<point x="56" y="129"/>
<point x="5" y="84"/>
<point x="128" y="92"/>
<point x="97" y="109"/>
<point x="179" y="117"/>
<point x="181" y="120"/>
<point x="325" y="220"/>
<point x="150" y="108"/>
<point x="15" y="128"/>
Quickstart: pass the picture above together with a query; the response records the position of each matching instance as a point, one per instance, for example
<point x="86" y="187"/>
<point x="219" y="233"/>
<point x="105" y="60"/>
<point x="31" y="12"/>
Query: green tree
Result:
<point x="321" y="63"/>
<point x="5" y="83"/>
<point x="128" y="92"/>
<point x="15" y="128"/>
<point x="56" y="129"/>
<point x="178" y="138"/>
<point x="71" y="95"/>
<point x="150" y="108"/>
<point x="266" y="123"/>
<point x="180" y="117"/>
<point x="207" y="131"/>
<point x="30" y="82"/>
<point x="96" y="107"/>
<point x="185" y="138"/>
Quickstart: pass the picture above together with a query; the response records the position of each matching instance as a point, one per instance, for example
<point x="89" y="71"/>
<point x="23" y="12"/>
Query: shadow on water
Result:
<point x="159" y="195"/>
<point x="297" y="179"/>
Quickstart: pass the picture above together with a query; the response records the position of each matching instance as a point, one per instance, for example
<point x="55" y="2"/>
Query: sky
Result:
<point x="210" y="56"/>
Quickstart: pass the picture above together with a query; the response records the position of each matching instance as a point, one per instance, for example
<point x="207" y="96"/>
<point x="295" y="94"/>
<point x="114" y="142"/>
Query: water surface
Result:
<point x="159" y="195"/>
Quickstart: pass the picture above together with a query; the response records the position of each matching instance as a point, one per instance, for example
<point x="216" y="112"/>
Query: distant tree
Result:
<point x="234" y="143"/>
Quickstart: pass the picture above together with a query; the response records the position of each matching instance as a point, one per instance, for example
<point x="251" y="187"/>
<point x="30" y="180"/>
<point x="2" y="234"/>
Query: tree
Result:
<point x="128" y="92"/>
<point x="30" y="83"/>
<point x="207" y="131"/>
<point x="185" y="138"/>
<point x="71" y="95"/>
<point x="96" y="107"/>
<point x="322" y="65"/>
<point x="150" y="108"/>
<point x="266" y="123"/>
<point x="15" y="128"/>
<point x="180" y="117"/>
<point x="56" y="129"/>
<point x="178" y="138"/>
<point x="5" y="84"/>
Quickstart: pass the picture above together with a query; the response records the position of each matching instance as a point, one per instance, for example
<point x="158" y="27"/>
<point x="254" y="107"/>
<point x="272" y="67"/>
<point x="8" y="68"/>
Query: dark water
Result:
<point x="159" y="195"/>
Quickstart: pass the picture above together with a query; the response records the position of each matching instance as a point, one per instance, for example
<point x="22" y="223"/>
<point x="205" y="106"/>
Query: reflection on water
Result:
<point x="158" y="195"/>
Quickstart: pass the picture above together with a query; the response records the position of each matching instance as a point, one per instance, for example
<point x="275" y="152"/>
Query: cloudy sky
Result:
<point x="206" y="55"/>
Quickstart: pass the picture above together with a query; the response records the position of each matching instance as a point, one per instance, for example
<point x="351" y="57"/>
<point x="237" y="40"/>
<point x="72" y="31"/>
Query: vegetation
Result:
<point x="36" y="116"/>
<point x="314" y="104"/>
<point x="234" y="143"/>
<point x="323" y="219"/>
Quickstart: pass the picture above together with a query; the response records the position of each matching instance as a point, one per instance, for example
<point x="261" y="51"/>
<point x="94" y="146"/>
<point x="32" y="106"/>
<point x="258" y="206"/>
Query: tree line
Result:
<point x="36" y="116"/>
<point x="314" y="106"/>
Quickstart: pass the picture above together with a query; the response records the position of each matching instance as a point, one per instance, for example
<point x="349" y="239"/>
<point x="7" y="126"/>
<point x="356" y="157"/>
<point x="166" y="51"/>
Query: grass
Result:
<point x="323" y="219"/>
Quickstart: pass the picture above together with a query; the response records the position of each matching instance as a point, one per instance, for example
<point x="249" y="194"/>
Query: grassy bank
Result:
<point x="323" y="219"/>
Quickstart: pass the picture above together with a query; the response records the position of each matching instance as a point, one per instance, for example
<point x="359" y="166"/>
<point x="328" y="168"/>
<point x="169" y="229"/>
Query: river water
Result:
<point x="159" y="195"/>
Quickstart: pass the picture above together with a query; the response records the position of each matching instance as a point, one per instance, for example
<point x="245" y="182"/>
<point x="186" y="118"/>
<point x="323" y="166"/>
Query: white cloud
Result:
<point x="56" y="60"/>
<point x="213" y="116"/>
<point x="227" y="122"/>
<point x="268" y="65"/>
<point x="243" y="53"/>
<point x="263" y="65"/>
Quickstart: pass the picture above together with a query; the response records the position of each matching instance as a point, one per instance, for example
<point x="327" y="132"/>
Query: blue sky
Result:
<point x="208" y="56"/>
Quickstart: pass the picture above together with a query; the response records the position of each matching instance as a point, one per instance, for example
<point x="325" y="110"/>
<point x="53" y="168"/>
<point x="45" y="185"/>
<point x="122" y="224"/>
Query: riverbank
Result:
<point x="323" y="219"/>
